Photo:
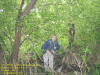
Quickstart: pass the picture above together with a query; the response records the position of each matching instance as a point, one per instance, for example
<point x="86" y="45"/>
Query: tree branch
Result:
<point x="29" y="7"/>
<point x="20" y="11"/>
<point x="26" y="37"/>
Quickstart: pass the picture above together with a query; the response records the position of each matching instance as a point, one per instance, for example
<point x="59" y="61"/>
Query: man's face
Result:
<point x="53" y="38"/>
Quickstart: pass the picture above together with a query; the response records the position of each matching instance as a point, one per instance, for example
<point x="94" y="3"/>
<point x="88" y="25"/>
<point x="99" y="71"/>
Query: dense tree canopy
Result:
<point x="52" y="17"/>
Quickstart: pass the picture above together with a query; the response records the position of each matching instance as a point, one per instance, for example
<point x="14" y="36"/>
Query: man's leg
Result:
<point x="51" y="58"/>
<point x="45" y="58"/>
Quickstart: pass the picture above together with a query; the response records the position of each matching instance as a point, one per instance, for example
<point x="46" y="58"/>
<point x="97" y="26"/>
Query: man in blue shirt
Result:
<point x="49" y="48"/>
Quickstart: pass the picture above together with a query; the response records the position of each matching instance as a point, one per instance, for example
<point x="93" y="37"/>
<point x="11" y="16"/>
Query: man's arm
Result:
<point x="45" y="46"/>
<point x="57" y="46"/>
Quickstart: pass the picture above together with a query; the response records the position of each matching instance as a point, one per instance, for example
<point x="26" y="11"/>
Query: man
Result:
<point x="49" y="48"/>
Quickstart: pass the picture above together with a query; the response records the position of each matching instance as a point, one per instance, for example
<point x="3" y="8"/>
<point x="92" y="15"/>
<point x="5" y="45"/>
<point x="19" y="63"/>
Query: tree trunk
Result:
<point x="18" y="29"/>
<point x="16" y="44"/>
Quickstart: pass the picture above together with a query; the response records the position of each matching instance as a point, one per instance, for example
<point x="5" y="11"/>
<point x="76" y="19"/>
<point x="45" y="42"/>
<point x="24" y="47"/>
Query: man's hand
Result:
<point x="47" y="51"/>
<point x="55" y="48"/>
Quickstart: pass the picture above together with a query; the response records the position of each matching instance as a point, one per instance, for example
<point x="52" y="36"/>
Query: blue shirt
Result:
<point x="48" y="45"/>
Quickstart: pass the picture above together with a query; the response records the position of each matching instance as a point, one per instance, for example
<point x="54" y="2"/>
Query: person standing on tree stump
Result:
<point x="50" y="47"/>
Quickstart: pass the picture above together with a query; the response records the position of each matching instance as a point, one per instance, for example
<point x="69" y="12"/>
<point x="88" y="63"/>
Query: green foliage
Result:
<point x="52" y="17"/>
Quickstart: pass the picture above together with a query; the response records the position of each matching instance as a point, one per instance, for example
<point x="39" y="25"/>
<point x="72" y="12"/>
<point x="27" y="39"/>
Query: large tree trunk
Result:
<point x="16" y="44"/>
<point x="14" y="57"/>
<point x="18" y="29"/>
